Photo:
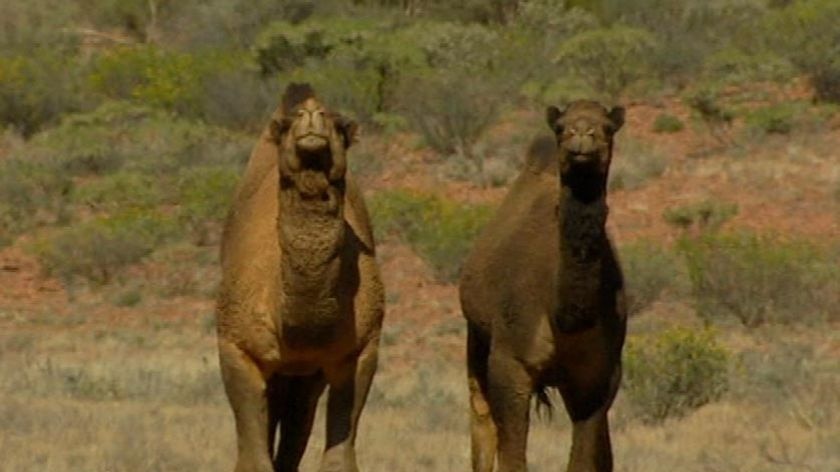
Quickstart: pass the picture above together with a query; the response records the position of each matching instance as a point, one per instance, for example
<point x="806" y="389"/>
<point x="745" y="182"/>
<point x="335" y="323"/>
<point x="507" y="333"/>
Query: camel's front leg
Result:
<point x="591" y="448"/>
<point x="245" y="386"/>
<point x="509" y="388"/>
<point x="349" y="386"/>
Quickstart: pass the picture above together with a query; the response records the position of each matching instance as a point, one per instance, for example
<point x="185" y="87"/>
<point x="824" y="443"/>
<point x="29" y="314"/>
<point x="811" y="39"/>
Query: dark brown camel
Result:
<point x="543" y="296"/>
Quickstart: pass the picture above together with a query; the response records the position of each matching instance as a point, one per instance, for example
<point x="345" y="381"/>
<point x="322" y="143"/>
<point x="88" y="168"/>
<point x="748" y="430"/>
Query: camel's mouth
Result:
<point x="312" y="143"/>
<point x="584" y="158"/>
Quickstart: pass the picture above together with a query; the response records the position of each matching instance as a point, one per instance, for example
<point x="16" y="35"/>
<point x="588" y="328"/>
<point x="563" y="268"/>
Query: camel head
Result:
<point x="584" y="132"/>
<point x="311" y="139"/>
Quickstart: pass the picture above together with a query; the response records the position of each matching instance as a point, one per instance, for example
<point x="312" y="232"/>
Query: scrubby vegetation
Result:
<point x="674" y="372"/>
<point x="124" y="127"/>
<point x="759" y="279"/>
<point x="441" y="231"/>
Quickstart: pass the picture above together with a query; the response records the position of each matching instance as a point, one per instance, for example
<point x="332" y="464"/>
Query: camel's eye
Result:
<point x="590" y="132"/>
<point x="301" y="113"/>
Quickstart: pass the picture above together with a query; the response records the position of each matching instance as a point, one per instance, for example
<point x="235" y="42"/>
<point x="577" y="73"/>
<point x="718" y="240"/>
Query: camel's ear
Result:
<point x="279" y="127"/>
<point x="553" y="116"/>
<point x="348" y="130"/>
<point x="616" y="118"/>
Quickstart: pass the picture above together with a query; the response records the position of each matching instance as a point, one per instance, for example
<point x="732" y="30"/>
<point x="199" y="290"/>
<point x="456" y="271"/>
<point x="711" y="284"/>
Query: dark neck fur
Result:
<point x="582" y="214"/>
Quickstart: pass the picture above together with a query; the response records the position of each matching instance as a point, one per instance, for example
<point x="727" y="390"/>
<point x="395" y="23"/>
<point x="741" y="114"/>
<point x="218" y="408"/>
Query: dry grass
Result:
<point x="80" y="398"/>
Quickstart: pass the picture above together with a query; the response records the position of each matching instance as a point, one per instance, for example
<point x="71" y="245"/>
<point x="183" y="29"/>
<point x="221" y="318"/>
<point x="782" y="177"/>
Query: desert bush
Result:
<point x="685" y="32"/>
<point x="665" y="123"/>
<point x="30" y="194"/>
<point x="759" y="279"/>
<point x="37" y="88"/>
<point x="634" y="164"/>
<point x="705" y="101"/>
<point x="611" y="59"/>
<point x="159" y="78"/>
<point x="787" y="117"/>
<point x="440" y="231"/>
<point x="674" y="372"/>
<point x="237" y="98"/>
<point x="96" y="250"/>
<point x="120" y="191"/>
<point x="283" y="46"/>
<point x="704" y="216"/>
<point x="806" y="32"/>
<point x="322" y="52"/>
<point x="205" y="194"/>
<point x="539" y="27"/>
<point x="649" y="271"/>
<point x="26" y="26"/>
<point x="122" y="135"/>
<point x="735" y="66"/>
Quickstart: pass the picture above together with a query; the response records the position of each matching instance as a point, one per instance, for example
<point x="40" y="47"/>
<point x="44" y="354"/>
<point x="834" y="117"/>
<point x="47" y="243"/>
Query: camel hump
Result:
<point x="295" y="94"/>
<point x="542" y="154"/>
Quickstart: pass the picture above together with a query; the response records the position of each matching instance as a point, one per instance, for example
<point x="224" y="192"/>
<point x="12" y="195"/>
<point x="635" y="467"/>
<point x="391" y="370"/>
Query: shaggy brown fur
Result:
<point x="301" y="301"/>
<point x="542" y="293"/>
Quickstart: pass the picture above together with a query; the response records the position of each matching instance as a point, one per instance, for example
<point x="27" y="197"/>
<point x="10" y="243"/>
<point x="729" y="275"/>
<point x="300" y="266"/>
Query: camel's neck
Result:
<point x="583" y="243"/>
<point x="311" y="234"/>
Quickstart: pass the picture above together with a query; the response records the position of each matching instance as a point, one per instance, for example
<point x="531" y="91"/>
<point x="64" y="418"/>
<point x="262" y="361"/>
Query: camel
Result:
<point x="301" y="301"/>
<point x="543" y="296"/>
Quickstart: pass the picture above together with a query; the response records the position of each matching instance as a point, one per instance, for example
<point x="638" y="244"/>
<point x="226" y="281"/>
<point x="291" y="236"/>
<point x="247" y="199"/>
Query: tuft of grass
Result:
<point x="707" y="215"/>
<point x="666" y="123"/>
<point x="674" y="372"/>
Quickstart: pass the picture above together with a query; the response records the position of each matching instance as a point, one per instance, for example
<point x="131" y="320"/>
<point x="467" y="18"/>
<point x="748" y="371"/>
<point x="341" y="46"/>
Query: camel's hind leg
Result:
<point x="295" y="402"/>
<point x="509" y="389"/>
<point x="245" y="387"/>
<point x="591" y="447"/>
<point x="482" y="428"/>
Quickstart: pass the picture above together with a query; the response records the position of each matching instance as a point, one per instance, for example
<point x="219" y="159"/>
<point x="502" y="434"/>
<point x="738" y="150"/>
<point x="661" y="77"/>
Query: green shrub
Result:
<point x="787" y="117"/>
<point x="759" y="279"/>
<point x="634" y="164"/>
<point x="379" y="56"/>
<point x="158" y="78"/>
<point x="704" y="100"/>
<point x="237" y="98"/>
<point x="121" y="135"/>
<point x="674" y="372"/>
<point x="666" y="123"/>
<point x="611" y="59"/>
<point x="806" y="32"/>
<point x="205" y="196"/>
<point x="705" y="216"/>
<point x="685" y="32"/>
<point x="119" y="192"/>
<point x="31" y="193"/>
<point x="37" y="88"/>
<point x="440" y="231"/>
<point x="772" y="119"/>
<point x="649" y="271"/>
<point x="96" y="250"/>
<point x="735" y="66"/>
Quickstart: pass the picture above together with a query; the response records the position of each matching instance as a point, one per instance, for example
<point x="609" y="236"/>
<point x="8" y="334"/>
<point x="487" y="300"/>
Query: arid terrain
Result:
<point x="125" y="125"/>
<point x="88" y="385"/>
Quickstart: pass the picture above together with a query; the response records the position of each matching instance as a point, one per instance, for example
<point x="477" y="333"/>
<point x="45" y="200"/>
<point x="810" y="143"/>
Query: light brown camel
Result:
<point x="543" y="296"/>
<point x="301" y="301"/>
